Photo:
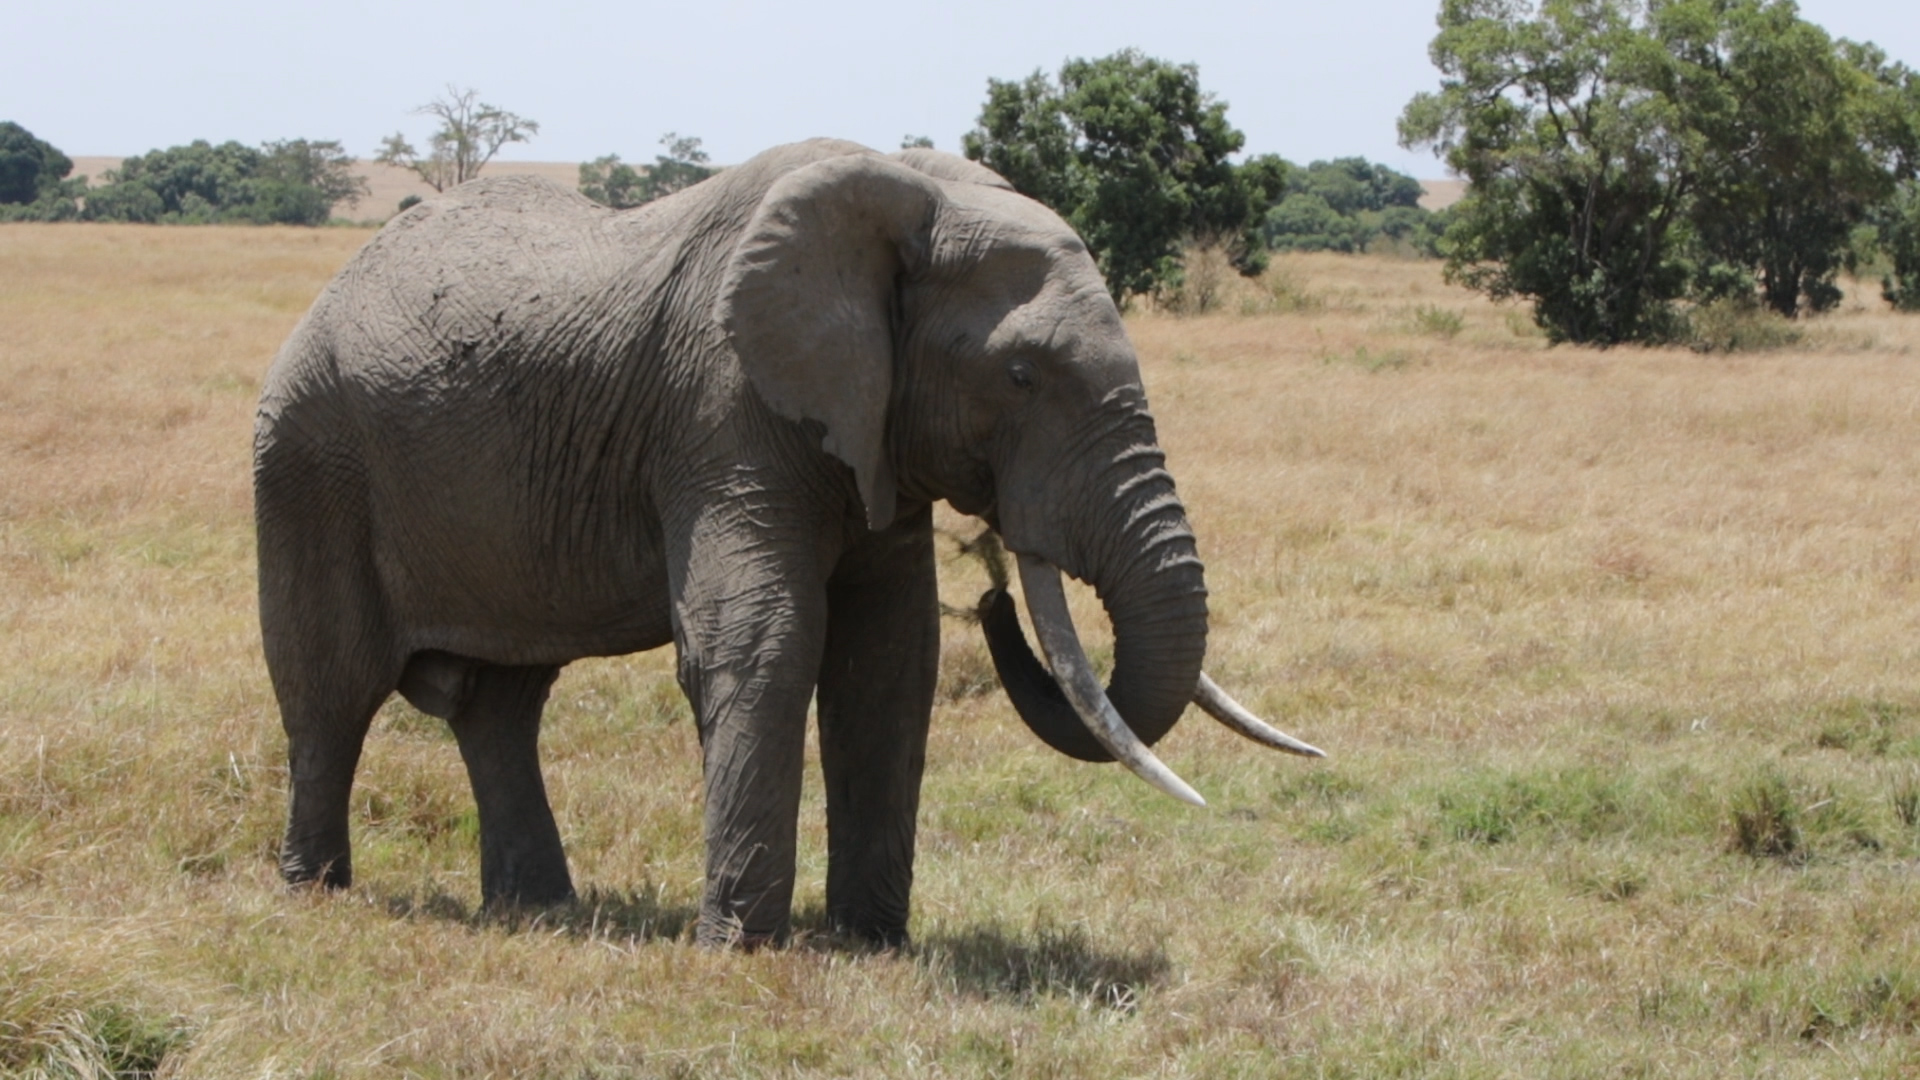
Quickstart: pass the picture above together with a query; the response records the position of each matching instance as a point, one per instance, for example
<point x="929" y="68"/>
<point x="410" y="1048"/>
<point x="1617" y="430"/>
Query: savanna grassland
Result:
<point x="1616" y="655"/>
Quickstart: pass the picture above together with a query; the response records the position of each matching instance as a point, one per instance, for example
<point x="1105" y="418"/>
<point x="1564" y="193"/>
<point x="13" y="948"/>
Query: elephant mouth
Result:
<point x="1069" y="671"/>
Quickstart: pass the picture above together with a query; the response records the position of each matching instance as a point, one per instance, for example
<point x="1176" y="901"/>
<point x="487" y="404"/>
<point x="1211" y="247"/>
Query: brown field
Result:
<point x="1614" y="653"/>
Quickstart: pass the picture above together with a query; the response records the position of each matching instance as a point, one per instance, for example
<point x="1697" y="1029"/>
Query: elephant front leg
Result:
<point x="876" y="695"/>
<point x="750" y="616"/>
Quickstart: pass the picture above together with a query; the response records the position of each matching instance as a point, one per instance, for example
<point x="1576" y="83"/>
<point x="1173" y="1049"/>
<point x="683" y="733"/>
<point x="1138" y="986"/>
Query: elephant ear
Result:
<point x="944" y="166"/>
<point x="808" y="302"/>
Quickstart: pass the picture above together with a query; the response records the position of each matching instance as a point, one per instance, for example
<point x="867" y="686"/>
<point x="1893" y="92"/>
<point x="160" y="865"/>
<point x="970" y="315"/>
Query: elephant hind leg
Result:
<point x="330" y="681"/>
<point x="328" y="642"/>
<point x="496" y="719"/>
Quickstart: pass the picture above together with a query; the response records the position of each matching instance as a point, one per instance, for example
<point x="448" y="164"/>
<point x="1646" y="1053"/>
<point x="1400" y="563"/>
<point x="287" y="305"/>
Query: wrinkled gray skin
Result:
<point x="520" y="428"/>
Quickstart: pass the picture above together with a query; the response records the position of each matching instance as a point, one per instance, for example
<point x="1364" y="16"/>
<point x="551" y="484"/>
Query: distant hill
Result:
<point x="1440" y="194"/>
<point x="389" y="185"/>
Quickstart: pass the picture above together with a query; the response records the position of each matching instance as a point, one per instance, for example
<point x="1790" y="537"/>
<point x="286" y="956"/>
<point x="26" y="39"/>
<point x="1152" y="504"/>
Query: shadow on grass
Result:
<point x="1049" y="962"/>
<point x="988" y="963"/>
<point x="619" y="915"/>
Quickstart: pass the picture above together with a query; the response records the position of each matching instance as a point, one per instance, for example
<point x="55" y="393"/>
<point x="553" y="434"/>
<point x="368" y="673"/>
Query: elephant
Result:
<point x="519" y="428"/>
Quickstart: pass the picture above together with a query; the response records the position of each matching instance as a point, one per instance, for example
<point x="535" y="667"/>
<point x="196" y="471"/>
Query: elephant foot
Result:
<point x="880" y="937"/>
<point x="541" y="881"/>
<point x="305" y="872"/>
<point x="727" y="933"/>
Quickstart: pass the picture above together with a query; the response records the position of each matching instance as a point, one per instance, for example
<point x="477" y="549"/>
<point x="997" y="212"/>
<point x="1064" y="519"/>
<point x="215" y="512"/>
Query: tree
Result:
<point x="1787" y="161"/>
<point x="1135" y="156"/>
<point x="33" y="178"/>
<point x="619" y="185"/>
<point x="1898" y="223"/>
<point x="916" y="142"/>
<point x="1624" y="155"/>
<point x="471" y="132"/>
<point x="1349" y="204"/>
<point x="1577" y="173"/>
<point x="193" y="184"/>
<point x="292" y="182"/>
<point x="317" y="174"/>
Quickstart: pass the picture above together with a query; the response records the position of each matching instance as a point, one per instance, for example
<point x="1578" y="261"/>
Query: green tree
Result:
<point x="1623" y="155"/>
<point x="1135" y="156"/>
<point x="1350" y="205"/>
<point x="471" y="132"/>
<point x="1790" y="152"/>
<point x="1578" y="172"/>
<point x="610" y="181"/>
<point x="1898" y="224"/>
<point x="294" y="182"/>
<point x="299" y="182"/>
<point x="33" y="178"/>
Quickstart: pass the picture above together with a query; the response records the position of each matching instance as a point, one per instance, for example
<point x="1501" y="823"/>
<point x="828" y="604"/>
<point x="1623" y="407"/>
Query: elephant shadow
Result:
<point x="643" y="914"/>
<point x="990" y="963"/>
<point x="1050" y="961"/>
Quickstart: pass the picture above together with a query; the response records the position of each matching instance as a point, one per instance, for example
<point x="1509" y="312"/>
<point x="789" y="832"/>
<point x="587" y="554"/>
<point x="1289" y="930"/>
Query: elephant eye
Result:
<point x="1021" y="373"/>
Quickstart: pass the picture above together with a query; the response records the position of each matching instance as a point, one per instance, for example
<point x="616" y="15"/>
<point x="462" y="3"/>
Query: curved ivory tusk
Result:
<point x="1047" y="605"/>
<point x="1218" y="705"/>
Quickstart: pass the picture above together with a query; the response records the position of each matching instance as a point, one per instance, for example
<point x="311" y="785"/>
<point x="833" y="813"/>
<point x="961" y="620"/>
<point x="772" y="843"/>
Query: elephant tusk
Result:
<point x="1047" y="605"/>
<point x="1218" y="705"/>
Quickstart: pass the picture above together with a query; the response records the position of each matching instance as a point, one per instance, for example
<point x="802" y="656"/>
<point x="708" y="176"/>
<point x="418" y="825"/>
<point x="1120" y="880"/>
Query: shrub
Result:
<point x="295" y="182"/>
<point x="1766" y="820"/>
<point x="1898" y="227"/>
<point x="1737" y="325"/>
<point x="33" y="178"/>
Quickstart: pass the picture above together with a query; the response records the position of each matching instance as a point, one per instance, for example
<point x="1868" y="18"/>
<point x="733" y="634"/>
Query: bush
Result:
<point x="1898" y="226"/>
<point x="1738" y="325"/>
<point x="33" y="178"/>
<point x="296" y="182"/>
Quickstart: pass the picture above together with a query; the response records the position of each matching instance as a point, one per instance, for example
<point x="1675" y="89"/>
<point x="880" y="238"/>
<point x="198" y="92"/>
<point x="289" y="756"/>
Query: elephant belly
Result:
<point x="530" y="624"/>
<point x="522" y="594"/>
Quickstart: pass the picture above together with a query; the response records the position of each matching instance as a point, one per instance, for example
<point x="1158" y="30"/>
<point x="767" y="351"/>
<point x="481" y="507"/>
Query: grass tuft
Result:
<point x="1766" y="820"/>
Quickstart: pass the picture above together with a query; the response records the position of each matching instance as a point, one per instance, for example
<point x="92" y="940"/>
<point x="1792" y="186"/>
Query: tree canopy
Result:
<point x="1624" y="155"/>
<point x="1135" y="156"/>
<point x="33" y="178"/>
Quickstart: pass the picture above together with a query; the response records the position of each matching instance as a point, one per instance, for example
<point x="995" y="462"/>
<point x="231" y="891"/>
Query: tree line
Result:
<point x="1629" y="163"/>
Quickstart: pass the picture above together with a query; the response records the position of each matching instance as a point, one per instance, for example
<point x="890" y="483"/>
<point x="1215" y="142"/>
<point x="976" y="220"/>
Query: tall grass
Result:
<point x="1565" y="620"/>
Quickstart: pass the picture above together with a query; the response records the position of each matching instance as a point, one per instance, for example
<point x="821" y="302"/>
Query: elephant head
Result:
<point x="954" y="340"/>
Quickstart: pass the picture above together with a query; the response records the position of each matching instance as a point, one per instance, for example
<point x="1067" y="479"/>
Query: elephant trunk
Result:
<point x="1133" y="545"/>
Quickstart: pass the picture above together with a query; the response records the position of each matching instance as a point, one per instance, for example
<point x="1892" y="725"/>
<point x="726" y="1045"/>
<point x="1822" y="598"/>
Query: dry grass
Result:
<point x="1615" y="653"/>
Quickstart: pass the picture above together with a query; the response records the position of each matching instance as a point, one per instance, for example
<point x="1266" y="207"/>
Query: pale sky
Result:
<point x="1306" y="79"/>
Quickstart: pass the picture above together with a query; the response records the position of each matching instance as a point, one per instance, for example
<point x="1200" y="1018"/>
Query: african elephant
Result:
<point x="520" y="428"/>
